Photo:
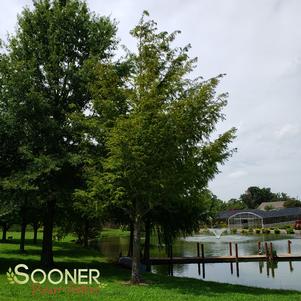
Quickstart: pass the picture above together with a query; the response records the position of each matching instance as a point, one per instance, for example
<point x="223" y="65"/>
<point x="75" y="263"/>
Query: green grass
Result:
<point x="157" y="287"/>
<point x="116" y="232"/>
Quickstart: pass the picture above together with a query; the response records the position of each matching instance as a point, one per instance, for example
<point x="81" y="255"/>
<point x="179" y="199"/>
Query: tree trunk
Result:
<point x="147" y="244"/>
<point x="136" y="252"/>
<point x="86" y="233"/>
<point x="35" y="232"/>
<point x="130" y="251"/>
<point x="47" y="254"/>
<point x="22" y="240"/>
<point x="4" y="231"/>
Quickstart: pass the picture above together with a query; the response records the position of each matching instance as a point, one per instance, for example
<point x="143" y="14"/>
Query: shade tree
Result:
<point x="161" y="153"/>
<point x="44" y="83"/>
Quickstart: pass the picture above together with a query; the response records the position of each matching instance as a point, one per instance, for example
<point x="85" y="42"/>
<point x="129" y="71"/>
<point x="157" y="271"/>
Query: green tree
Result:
<point x="108" y="102"/>
<point x="254" y="196"/>
<point x="234" y="204"/>
<point x="291" y="202"/>
<point x="44" y="85"/>
<point x="160" y="151"/>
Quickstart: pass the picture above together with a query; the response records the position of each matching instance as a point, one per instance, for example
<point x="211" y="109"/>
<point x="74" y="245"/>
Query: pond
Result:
<point x="279" y="275"/>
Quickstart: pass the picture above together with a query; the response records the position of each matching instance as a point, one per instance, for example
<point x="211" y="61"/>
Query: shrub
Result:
<point x="257" y="231"/>
<point x="265" y="231"/>
<point x="243" y="231"/>
<point x="223" y="225"/>
<point x="276" y="231"/>
<point x="250" y="230"/>
<point x="233" y="231"/>
<point x="290" y="231"/>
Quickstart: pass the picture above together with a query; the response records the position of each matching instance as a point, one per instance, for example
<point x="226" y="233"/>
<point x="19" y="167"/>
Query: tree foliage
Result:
<point x="44" y="86"/>
<point x="160" y="152"/>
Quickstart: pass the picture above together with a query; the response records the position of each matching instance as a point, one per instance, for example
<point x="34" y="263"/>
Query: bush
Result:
<point x="265" y="231"/>
<point x="250" y="230"/>
<point x="233" y="231"/>
<point x="257" y="231"/>
<point x="276" y="231"/>
<point x="290" y="231"/>
<point x="243" y="231"/>
<point x="223" y="225"/>
<point x="284" y="226"/>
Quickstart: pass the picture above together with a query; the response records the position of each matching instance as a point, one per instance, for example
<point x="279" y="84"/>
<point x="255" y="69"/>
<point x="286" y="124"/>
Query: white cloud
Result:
<point x="237" y="174"/>
<point x="288" y="130"/>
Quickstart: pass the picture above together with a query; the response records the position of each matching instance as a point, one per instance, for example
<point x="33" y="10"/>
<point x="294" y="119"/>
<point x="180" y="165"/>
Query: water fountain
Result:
<point x="219" y="236"/>
<point x="217" y="231"/>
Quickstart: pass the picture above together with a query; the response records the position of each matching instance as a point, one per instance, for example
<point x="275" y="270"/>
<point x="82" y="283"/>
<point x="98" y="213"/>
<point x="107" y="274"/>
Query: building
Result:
<point x="271" y="205"/>
<point x="247" y="218"/>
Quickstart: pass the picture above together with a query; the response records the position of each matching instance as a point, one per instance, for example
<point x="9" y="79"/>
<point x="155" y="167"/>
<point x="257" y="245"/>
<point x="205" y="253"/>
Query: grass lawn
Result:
<point x="114" y="279"/>
<point x="109" y="232"/>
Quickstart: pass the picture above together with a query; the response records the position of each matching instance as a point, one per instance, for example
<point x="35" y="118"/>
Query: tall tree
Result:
<point x="254" y="196"/>
<point x="161" y="153"/>
<point x="44" y="84"/>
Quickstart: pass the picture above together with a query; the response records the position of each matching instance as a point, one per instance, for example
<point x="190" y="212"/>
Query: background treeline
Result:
<point x="251" y="199"/>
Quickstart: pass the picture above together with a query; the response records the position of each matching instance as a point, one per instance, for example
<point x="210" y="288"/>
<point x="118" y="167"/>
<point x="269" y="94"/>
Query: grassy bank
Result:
<point x="114" y="284"/>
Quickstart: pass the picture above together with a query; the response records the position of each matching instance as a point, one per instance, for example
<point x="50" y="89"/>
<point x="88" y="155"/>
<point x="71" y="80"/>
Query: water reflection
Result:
<point x="282" y="275"/>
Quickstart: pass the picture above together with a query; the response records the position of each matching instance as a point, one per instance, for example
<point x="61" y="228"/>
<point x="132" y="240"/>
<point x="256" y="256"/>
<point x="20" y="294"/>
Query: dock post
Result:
<point x="259" y="247"/>
<point x="230" y="251"/>
<point x="289" y="246"/>
<point x="203" y="264"/>
<point x="260" y="263"/>
<point x="271" y="251"/>
<point x="273" y="269"/>
<point x="237" y="269"/>
<point x="170" y="261"/>
<point x="198" y="255"/>
<point x="236" y="257"/>
<point x="266" y="250"/>
<point x="230" y="248"/>
<point x="291" y="266"/>
<point x="236" y="251"/>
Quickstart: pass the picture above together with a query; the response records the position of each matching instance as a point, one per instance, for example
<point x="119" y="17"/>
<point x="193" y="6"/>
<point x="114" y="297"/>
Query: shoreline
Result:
<point x="114" y="279"/>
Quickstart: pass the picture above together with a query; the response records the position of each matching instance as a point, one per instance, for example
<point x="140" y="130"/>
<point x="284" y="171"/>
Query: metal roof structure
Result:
<point x="264" y="214"/>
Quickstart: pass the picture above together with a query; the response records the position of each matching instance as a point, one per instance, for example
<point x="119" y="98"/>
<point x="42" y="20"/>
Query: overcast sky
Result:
<point x="257" y="43"/>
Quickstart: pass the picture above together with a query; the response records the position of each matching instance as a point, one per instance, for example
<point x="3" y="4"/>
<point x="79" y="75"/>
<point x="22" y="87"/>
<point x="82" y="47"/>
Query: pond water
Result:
<point x="279" y="275"/>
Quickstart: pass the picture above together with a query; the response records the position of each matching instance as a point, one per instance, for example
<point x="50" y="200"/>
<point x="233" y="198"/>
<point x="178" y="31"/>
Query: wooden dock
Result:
<point x="220" y="259"/>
